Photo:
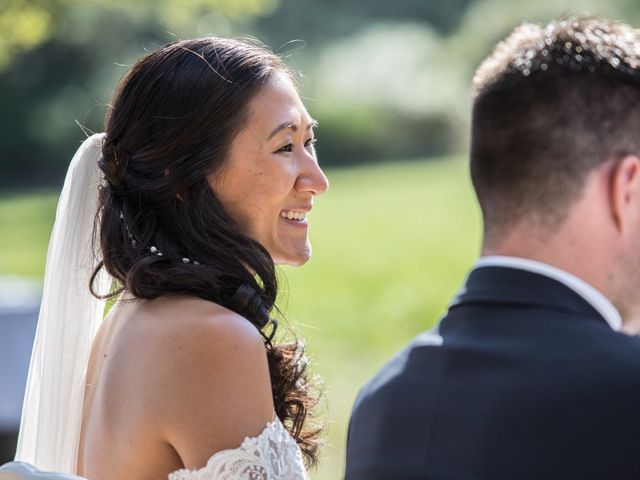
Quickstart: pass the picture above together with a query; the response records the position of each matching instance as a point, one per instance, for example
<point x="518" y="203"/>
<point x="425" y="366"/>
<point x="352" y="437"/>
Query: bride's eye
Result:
<point x="286" y="148"/>
<point x="311" y="142"/>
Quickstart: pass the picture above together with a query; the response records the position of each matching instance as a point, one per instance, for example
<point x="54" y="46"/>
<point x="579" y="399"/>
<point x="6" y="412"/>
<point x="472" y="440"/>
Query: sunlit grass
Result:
<point x="391" y="244"/>
<point x="25" y="227"/>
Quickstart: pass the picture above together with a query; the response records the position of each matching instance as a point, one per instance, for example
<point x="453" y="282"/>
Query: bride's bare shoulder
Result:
<point x="187" y="322"/>
<point x="204" y="337"/>
<point x="205" y="373"/>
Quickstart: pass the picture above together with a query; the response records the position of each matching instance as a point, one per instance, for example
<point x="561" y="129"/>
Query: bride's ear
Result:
<point x="625" y="193"/>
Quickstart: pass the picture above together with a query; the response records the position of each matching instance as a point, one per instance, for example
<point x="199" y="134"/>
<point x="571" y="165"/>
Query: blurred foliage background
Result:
<point x="386" y="79"/>
<point x="389" y="83"/>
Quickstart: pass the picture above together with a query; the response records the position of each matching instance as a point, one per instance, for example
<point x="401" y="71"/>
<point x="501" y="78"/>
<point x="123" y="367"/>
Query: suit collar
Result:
<point x="516" y="286"/>
<point x="596" y="299"/>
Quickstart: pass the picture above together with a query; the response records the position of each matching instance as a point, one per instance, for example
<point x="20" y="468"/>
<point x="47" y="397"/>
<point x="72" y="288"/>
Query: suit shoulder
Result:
<point x="622" y="351"/>
<point x="388" y="381"/>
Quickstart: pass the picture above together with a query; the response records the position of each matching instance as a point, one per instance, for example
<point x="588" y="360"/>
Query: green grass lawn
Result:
<point x="392" y="244"/>
<point x="25" y="227"/>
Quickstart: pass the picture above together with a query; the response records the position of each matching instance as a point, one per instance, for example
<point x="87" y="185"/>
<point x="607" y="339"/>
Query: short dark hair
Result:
<point x="551" y="104"/>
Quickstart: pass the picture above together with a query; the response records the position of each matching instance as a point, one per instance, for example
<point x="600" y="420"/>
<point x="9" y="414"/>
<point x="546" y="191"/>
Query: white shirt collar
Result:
<point x="596" y="299"/>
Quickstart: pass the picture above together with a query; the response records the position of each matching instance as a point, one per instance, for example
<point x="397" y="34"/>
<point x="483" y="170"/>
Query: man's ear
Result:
<point x="625" y="192"/>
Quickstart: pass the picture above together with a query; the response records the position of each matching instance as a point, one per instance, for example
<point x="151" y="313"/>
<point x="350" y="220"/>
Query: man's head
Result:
<point x="555" y="108"/>
<point x="550" y="105"/>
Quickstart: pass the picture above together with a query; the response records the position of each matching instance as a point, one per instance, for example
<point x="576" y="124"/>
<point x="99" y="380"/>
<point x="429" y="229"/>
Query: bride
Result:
<point x="201" y="182"/>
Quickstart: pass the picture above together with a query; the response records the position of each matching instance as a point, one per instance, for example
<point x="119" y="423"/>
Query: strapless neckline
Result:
<point x="272" y="455"/>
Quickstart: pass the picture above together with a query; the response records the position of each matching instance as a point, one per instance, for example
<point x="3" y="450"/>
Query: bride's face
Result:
<point x="268" y="183"/>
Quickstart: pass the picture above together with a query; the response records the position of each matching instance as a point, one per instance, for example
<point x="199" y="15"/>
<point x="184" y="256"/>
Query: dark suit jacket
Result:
<point x="521" y="380"/>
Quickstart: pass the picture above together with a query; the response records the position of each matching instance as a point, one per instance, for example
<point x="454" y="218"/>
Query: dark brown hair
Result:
<point x="552" y="103"/>
<point x="161" y="228"/>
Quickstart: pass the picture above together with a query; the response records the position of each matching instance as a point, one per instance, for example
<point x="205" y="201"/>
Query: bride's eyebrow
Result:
<point x="293" y="126"/>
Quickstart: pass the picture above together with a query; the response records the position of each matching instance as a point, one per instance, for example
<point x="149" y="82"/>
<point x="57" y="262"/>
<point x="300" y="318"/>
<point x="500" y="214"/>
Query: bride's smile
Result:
<point x="272" y="173"/>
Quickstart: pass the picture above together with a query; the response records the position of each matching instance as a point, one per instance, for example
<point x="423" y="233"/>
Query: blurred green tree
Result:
<point x="26" y="24"/>
<point x="60" y="61"/>
<point x="23" y="26"/>
<point x="386" y="79"/>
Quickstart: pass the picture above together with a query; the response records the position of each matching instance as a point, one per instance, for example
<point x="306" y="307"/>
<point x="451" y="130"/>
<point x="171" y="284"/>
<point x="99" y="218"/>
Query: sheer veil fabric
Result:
<point x="68" y="321"/>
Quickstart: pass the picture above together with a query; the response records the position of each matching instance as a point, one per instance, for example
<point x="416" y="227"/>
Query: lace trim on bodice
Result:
<point x="272" y="455"/>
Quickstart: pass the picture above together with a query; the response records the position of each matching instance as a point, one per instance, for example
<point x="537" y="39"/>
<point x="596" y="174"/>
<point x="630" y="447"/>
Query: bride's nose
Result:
<point x="311" y="178"/>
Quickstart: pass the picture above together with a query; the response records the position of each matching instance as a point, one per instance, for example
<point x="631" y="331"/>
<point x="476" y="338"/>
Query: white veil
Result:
<point x="68" y="321"/>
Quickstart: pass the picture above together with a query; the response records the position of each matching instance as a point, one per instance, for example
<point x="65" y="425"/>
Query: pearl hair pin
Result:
<point x="152" y="249"/>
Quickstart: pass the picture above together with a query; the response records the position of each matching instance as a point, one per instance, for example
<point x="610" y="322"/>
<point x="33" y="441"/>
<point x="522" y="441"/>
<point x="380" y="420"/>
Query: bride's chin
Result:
<point x="294" y="258"/>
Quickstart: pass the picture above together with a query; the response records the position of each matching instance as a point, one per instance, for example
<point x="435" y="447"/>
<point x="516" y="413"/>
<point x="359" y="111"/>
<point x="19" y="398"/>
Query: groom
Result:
<point x="528" y="375"/>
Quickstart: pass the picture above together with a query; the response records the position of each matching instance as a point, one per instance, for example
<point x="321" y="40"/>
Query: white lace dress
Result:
<point x="272" y="455"/>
